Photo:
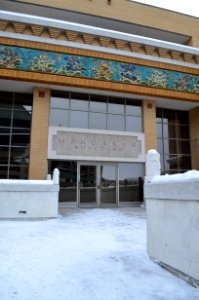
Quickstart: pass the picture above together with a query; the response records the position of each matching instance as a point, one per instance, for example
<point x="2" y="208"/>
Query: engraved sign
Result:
<point x="85" y="144"/>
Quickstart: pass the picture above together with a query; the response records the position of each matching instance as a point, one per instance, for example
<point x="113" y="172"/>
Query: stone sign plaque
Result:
<point x="95" y="145"/>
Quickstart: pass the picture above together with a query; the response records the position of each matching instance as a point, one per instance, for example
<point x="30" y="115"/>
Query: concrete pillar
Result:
<point x="39" y="134"/>
<point x="149" y="119"/>
<point x="194" y="137"/>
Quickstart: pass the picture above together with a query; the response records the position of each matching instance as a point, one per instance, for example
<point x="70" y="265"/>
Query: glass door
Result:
<point x="97" y="184"/>
<point x="87" y="187"/>
<point x="108" y="184"/>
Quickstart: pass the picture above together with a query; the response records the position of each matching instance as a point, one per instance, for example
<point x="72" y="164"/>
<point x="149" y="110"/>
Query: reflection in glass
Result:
<point x="134" y="110"/>
<point x="5" y="117"/>
<point x="108" y="184"/>
<point x="133" y="124"/>
<point x="60" y="103"/>
<point x="15" y="125"/>
<point x="4" y="155"/>
<point x="58" y="117"/>
<point x="98" y="106"/>
<point x="87" y="184"/>
<point x="68" y="179"/>
<point x="175" y="140"/>
<point x="131" y="182"/>
<point x="115" y="108"/>
<point x="4" y="136"/>
<point x="116" y="122"/>
<point x="78" y="119"/>
<point x="22" y="119"/>
<point x="97" y="121"/>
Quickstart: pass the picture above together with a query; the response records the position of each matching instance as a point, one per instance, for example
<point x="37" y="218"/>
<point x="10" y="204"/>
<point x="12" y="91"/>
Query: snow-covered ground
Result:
<point x="90" y="254"/>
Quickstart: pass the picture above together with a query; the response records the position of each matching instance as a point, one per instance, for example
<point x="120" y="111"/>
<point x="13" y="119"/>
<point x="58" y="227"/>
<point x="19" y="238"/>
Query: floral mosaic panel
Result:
<point x="95" y="68"/>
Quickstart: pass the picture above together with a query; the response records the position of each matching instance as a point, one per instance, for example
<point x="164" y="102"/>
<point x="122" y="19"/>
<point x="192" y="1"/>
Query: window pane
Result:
<point x="171" y="129"/>
<point x="98" y="106"/>
<point x="116" y="108"/>
<point x="61" y="103"/>
<point x="3" y="172"/>
<point x="133" y="124"/>
<point x="19" y="155"/>
<point x="134" y="110"/>
<point x="58" y="117"/>
<point x="79" y="101"/>
<point x="6" y="100"/>
<point x="97" y="121"/>
<point x="185" y="163"/>
<point x="182" y="131"/>
<point x="18" y="172"/>
<point x="131" y="182"/>
<point x="78" y="119"/>
<point x="184" y="146"/>
<point x="116" y="122"/>
<point x="23" y="101"/>
<point x="4" y="154"/>
<point x="160" y="146"/>
<point x="172" y="146"/>
<point x="4" y="136"/>
<point x="159" y="130"/>
<point x="20" y="139"/>
<point x="166" y="146"/>
<point x="22" y="119"/>
<point x="5" y="117"/>
<point x="182" y="117"/>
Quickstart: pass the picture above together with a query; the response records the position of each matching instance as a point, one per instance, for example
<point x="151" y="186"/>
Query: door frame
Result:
<point x="98" y="191"/>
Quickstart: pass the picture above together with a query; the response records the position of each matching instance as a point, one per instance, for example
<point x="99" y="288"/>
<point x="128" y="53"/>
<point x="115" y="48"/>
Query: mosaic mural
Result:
<point x="94" y="68"/>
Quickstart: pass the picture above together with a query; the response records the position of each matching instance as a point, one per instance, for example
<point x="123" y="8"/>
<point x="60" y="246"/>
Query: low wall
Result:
<point x="28" y="199"/>
<point x="172" y="203"/>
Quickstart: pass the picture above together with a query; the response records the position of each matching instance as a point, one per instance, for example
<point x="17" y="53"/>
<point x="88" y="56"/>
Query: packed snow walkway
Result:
<point x="89" y="254"/>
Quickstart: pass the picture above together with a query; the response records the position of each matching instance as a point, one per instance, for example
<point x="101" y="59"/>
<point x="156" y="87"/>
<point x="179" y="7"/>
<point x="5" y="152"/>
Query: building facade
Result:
<point x="89" y="87"/>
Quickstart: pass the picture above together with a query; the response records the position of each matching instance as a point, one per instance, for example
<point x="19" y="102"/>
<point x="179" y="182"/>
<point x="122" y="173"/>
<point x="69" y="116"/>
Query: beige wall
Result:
<point x="132" y="12"/>
<point x="39" y="134"/>
<point x="194" y="136"/>
<point x="149" y="119"/>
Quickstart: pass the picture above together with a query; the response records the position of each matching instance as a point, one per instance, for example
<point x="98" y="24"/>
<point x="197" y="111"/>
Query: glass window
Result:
<point x="3" y="171"/>
<point x="15" y="125"/>
<point x="61" y="103"/>
<point x="116" y="122"/>
<point x="78" y="119"/>
<point x="19" y="155"/>
<point x="116" y="106"/>
<point x="131" y="182"/>
<point x="98" y="106"/>
<point x="175" y="140"/>
<point x="97" y="121"/>
<point x="134" y="110"/>
<point x="20" y="139"/>
<point x="6" y="100"/>
<point x="58" y="117"/>
<point x="22" y="102"/>
<point x="159" y="130"/>
<point x="5" y="117"/>
<point x="160" y="146"/>
<point x="18" y="172"/>
<point x="79" y="101"/>
<point x="22" y="119"/>
<point x="4" y="136"/>
<point x="133" y="124"/>
<point x="4" y="155"/>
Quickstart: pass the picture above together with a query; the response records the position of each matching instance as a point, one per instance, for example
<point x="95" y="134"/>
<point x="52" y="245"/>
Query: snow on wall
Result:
<point x="172" y="204"/>
<point x="29" y="198"/>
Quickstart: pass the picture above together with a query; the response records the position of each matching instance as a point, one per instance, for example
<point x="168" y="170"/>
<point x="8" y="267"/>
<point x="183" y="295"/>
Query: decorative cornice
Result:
<point x="99" y="38"/>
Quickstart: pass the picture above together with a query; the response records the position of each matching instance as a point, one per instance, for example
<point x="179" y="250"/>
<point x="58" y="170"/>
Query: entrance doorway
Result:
<point x="97" y="184"/>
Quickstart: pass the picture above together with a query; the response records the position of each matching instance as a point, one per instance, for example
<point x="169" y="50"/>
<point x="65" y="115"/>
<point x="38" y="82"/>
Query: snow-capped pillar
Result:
<point x="56" y="176"/>
<point x="152" y="164"/>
